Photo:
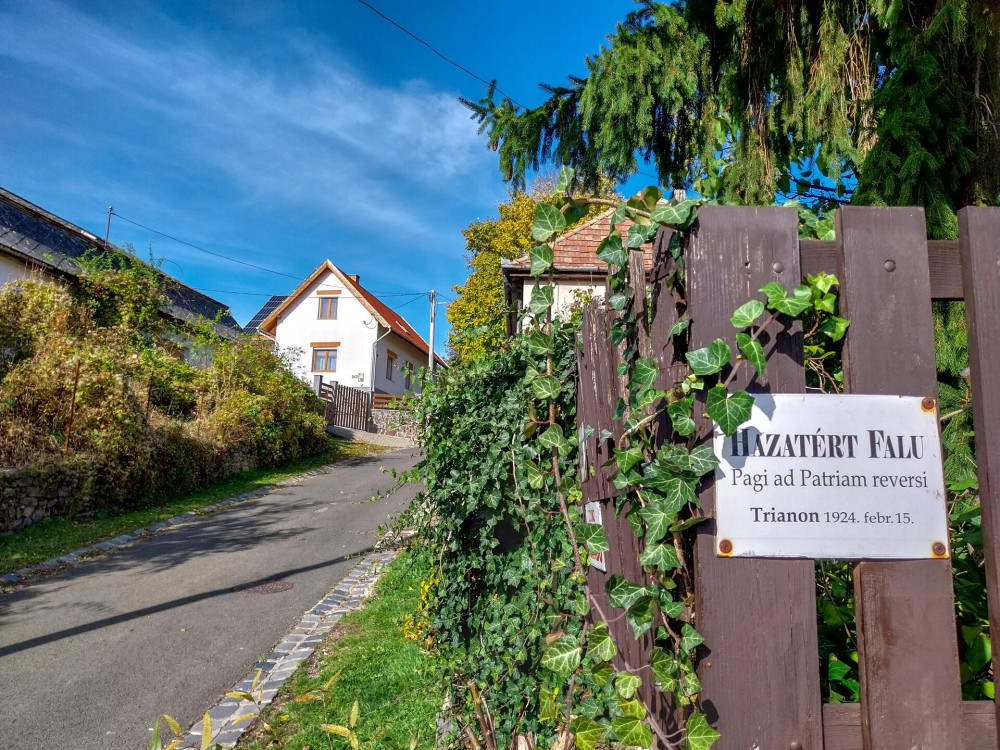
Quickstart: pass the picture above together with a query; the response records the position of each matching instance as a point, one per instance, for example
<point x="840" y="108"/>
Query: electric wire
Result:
<point x="448" y="60"/>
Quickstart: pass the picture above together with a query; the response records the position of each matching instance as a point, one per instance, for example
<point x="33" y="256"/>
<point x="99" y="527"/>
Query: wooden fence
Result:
<point x="345" y="406"/>
<point x="761" y="671"/>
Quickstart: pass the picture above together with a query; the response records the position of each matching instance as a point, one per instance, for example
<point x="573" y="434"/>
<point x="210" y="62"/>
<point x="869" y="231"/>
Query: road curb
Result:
<point x="295" y="647"/>
<point x="122" y="541"/>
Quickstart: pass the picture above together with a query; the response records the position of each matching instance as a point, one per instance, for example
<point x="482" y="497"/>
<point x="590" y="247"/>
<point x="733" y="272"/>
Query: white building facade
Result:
<point x="335" y="328"/>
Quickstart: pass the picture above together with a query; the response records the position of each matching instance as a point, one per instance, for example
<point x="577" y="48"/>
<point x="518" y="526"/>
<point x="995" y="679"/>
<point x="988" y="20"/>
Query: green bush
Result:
<point x="146" y="419"/>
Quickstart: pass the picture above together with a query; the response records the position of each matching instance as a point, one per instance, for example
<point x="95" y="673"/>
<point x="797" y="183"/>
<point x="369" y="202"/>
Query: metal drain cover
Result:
<point x="268" y="587"/>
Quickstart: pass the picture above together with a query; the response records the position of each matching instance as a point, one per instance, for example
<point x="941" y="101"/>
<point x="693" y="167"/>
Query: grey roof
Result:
<point x="269" y="307"/>
<point x="51" y="243"/>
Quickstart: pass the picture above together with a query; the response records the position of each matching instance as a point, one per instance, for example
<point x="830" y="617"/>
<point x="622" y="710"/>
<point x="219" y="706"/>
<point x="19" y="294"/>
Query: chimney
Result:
<point x="354" y="277"/>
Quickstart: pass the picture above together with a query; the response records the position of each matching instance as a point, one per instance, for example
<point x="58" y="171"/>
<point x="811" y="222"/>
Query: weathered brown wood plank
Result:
<point x="761" y="673"/>
<point x="943" y="260"/>
<point x="910" y="694"/>
<point x="979" y="240"/>
<point x="842" y="726"/>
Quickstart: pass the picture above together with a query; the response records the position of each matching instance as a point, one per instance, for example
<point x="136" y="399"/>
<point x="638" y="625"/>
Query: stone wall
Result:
<point x="395" y="422"/>
<point x="58" y="488"/>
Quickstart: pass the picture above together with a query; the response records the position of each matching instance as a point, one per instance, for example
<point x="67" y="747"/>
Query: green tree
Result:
<point x="755" y="100"/>
<point x="477" y="312"/>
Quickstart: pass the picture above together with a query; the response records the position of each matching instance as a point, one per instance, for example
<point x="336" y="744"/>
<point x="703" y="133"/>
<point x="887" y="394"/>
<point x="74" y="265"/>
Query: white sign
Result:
<point x="592" y="514"/>
<point x="832" y="476"/>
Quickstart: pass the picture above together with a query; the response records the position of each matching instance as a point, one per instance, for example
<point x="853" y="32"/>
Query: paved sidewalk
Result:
<point x="373" y="438"/>
<point x="297" y="646"/>
<point x="169" y="625"/>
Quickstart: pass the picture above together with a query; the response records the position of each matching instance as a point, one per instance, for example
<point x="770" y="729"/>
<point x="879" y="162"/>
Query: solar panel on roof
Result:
<point x="269" y="307"/>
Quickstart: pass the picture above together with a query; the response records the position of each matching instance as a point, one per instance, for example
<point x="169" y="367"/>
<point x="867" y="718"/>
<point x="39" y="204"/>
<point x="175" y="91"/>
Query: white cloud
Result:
<point x="325" y="137"/>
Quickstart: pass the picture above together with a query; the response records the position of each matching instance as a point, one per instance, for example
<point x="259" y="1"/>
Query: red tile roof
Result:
<point x="578" y="247"/>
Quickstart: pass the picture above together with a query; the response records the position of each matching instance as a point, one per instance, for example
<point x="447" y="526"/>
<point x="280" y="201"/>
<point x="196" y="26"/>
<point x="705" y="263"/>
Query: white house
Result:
<point x="576" y="267"/>
<point x="343" y="332"/>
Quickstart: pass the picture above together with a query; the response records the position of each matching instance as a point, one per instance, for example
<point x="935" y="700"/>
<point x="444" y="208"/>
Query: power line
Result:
<point x="203" y="250"/>
<point x="448" y="60"/>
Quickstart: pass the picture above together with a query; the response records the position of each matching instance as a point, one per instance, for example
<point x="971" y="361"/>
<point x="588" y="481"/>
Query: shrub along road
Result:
<point x="90" y="658"/>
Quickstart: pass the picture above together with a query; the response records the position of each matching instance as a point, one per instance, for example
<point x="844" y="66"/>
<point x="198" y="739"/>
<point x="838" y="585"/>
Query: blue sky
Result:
<point x="279" y="133"/>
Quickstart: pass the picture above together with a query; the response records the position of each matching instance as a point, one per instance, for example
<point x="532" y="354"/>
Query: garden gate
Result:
<point x="345" y="406"/>
<point x="760" y="672"/>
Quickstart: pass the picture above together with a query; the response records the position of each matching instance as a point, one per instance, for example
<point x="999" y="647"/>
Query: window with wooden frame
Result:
<point x="408" y="376"/>
<point x="390" y="363"/>
<point x="328" y="308"/>
<point x="324" y="360"/>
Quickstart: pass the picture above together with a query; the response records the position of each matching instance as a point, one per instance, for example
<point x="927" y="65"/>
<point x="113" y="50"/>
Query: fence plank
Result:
<point x="979" y="241"/>
<point x="910" y="693"/>
<point x="842" y="726"/>
<point x="942" y="257"/>
<point x="761" y="676"/>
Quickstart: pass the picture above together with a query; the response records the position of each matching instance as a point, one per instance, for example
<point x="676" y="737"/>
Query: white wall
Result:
<point x="355" y="328"/>
<point x="564" y="292"/>
<point x="11" y="269"/>
<point x="405" y="352"/>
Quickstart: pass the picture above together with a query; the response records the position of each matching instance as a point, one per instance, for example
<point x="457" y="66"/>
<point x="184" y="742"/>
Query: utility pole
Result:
<point x="107" y="231"/>
<point x="430" y="355"/>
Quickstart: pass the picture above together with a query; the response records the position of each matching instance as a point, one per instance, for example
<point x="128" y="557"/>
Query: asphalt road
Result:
<point x="91" y="657"/>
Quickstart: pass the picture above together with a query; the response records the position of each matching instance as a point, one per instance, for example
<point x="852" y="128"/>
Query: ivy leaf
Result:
<point x="665" y="668"/>
<point x="600" y="644"/>
<point x="588" y="732"/>
<point x="690" y="684"/>
<point x="632" y="707"/>
<point x="547" y="710"/>
<point x="638" y="235"/>
<point x="645" y="373"/>
<point x="602" y="673"/>
<point x="539" y="342"/>
<point x="626" y="684"/>
<point x="651" y="196"/>
<point x="709" y="359"/>
<point x="546" y="387"/>
<point x="663" y="556"/>
<point x="680" y="416"/>
<point x="631" y="732"/>
<point x="658" y="516"/>
<point x="564" y="181"/>
<point x="548" y="221"/>
<point x="541" y="259"/>
<point x="535" y="478"/>
<point x="621" y="213"/>
<point x="679" y="327"/>
<point x="627" y="458"/>
<point x="640" y="615"/>
<point x="698" y="461"/>
<point x="563" y="656"/>
<point x="834" y="327"/>
<point x="774" y="292"/>
<point x="553" y="438"/>
<point x="699" y="735"/>
<point x="690" y="638"/>
<point x="746" y="314"/>
<point x="702" y="458"/>
<point x="778" y="299"/>
<point x="729" y="412"/>
<point x="623" y="593"/>
<point x="678" y="215"/>
<point x="542" y="298"/>
<point x="677" y="491"/>
<point x="753" y="351"/>
<point x="618" y="301"/>
<point x="594" y="538"/>
<point x="687" y="523"/>
<point x="611" y="250"/>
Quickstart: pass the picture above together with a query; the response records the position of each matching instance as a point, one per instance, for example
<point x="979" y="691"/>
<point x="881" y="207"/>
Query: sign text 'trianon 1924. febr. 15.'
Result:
<point x="832" y="476"/>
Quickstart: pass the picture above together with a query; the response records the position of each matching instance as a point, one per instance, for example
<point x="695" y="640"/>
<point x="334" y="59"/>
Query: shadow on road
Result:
<point x="14" y="648"/>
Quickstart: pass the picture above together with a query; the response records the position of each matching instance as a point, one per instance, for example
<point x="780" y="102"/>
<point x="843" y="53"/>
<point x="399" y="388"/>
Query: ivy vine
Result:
<point x="505" y="503"/>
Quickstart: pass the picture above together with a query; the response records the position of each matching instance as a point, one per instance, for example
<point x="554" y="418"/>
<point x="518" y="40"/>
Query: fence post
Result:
<point x="318" y="385"/>
<point x="758" y="616"/>
<point x="910" y="691"/>
<point x="979" y="245"/>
